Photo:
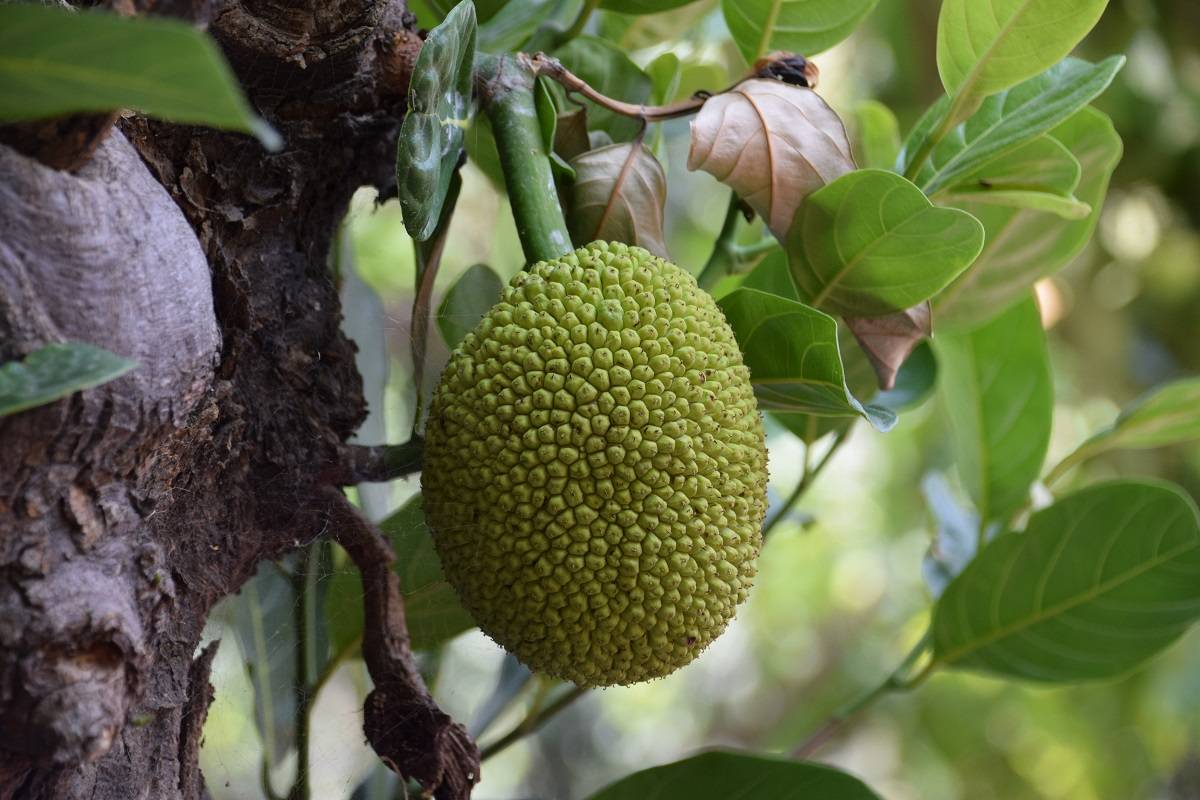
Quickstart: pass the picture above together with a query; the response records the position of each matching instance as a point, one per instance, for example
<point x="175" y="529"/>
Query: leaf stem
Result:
<point x="807" y="477"/>
<point x="1077" y="457"/>
<point x="535" y="719"/>
<point x="581" y="21"/>
<point x="897" y="681"/>
<point x="721" y="261"/>
<point x="305" y="656"/>
<point x="505" y="88"/>
<point x="745" y="253"/>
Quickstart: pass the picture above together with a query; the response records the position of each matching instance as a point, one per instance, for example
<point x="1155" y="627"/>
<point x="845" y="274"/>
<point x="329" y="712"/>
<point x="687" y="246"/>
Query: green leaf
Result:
<point x="55" y="62"/>
<point x="878" y="135"/>
<point x="987" y="46"/>
<point x="794" y="359"/>
<point x="773" y="277"/>
<point x="1168" y="415"/>
<point x="1095" y="585"/>
<point x="55" y="371"/>
<point x="609" y="71"/>
<point x="1042" y="166"/>
<point x="431" y="606"/>
<point x="724" y="775"/>
<point x="871" y="243"/>
<point x="1025" y="245"/>
<point x="471" y="296"/>
<point x="439" y="112"/>
<point x="999" y="397"/>
<point x="807" y="27"/>
<point x="512" y="25"/>
<point x="1013" y="118"/>
<point x="642" y="6"/>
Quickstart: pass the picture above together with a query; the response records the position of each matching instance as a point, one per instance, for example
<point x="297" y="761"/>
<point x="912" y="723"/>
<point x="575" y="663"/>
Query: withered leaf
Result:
<point x="889" y="340"/>
<point x="620" y="195"/>
<point x="773" y="144"/>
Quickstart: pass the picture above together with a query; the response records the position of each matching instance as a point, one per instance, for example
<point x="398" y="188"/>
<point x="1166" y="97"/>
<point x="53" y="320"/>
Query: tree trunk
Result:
<point x="128" y="511"/>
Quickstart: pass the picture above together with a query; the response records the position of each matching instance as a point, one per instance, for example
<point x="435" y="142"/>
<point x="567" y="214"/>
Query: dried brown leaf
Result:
<point x="889" y="340"/>
<point x="571" y="133"/>
<point x="773" y="144"/>
<point x="620" y="195"/>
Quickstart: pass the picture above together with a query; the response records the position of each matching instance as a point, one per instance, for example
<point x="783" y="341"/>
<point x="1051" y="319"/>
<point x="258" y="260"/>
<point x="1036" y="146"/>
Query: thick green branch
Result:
<point x="505" y="89"/>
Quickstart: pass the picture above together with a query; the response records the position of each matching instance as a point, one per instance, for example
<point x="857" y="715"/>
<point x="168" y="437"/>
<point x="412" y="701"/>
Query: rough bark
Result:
<point x="128" y="511"/>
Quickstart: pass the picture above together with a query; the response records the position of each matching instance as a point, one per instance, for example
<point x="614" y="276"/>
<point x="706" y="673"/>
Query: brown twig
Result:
<point x="410" y="733"/>
<point x="786" y="67"/>
<point x="542" y="64"/>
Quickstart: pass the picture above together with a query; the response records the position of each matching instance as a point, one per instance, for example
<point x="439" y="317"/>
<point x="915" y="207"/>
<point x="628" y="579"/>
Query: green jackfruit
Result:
<point x="595" y="469"/>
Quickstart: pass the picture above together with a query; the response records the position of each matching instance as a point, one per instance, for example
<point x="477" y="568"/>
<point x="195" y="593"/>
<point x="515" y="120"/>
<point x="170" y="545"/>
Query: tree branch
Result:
<point x="359" y="463"/>
<point x="410" y="733"/>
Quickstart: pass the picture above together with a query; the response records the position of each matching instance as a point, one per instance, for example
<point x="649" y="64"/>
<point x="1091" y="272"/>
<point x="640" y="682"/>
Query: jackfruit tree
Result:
<point x="192" y="409"/>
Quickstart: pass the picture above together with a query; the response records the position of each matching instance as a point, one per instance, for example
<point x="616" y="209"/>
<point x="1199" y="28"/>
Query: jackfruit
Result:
<point x="595" y="468"/>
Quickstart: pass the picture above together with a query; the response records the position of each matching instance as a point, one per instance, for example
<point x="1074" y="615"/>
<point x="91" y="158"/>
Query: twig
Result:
<point x="536" y="719"/>
<point x="404" y="725"/>
<point x="542" y="64"/>
<point x="897" y="681"/>
<point x="302" y="607"/>
<point x="374" y="463"/>
<point x="807" y="477"/>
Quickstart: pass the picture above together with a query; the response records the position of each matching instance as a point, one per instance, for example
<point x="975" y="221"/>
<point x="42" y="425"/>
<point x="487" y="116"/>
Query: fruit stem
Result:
<point x="536" y="719"/>
<point x="505" y="89"/>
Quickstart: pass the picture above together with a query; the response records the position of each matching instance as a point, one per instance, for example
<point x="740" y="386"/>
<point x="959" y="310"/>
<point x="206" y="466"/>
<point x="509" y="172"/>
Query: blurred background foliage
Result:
<point x="839" y="598"/>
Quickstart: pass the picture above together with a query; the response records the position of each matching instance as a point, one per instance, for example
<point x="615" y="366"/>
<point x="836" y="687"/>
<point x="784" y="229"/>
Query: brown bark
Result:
<point x="129" y="510"/>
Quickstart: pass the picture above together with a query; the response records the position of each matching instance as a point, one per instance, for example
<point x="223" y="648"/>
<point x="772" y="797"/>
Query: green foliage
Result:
<point x="608" y="70"/>
<point x="642" y="6"/>
<point x="871" y="243"/>
<point x="998" y="394"/>
<point x="1095" y="584"/>
<point x="466" y="302"/>
<point x="720" y="775"/>
<point x="56" y="371"/>
<point x="1024" y="245"/>
<point x="807" y="27"/>
<point x="987" y="46"/>
<point x="1010" y="119"/>
<point x="878" y="135"/>
<point x="793" y="356"/>
<point x="439" y="109"/>
<point x="55" y="62"/>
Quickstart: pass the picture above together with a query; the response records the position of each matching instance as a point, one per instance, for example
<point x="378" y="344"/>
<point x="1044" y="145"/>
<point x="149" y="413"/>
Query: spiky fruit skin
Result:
<point x="595" y="468"/>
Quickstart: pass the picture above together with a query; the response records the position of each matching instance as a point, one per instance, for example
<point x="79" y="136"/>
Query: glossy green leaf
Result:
<point x="54" y="371"/>
<point x="1014" y="118"/>
<point x="54" y="62"/>
<point x="642" y="6"/>
<point x="439" y="112"/>
<point x="1095" y="585"/>
<point x="871" y="243"/>
<point x="724" y="775"/>
<point x="807" y="27"/>
<point x="999" y="398"/>
<point x="1026" y="245"/>
<point x="878" y="135"/>
<point x="431" y="606"/>
<point x="987" y="46"/>
<point x="609" y="71"/>
<point x="665" y="71"/>
<point x="1168" y="415"/>
<point x="471" y="296"/>
<point x="1044" y="166"/>
<point x="793" y="355"/>
<point x="773" y="276"/>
